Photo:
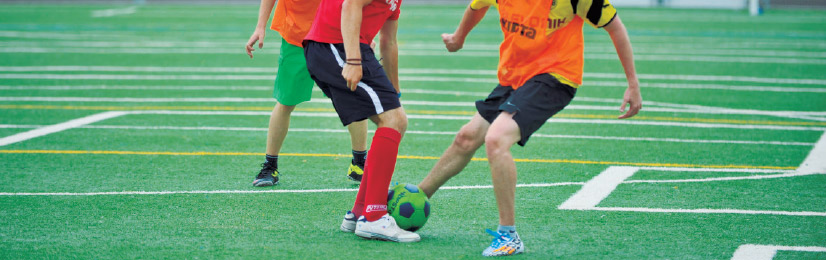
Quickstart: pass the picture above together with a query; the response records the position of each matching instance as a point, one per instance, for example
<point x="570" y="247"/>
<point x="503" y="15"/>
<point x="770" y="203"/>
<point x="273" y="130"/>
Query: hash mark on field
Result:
<point x="59" y="127"/>
<point x="767" y="252"/>
<point x="815" y="162"/>
<point x="599" y="187"/>
<point x="596" y="189"/>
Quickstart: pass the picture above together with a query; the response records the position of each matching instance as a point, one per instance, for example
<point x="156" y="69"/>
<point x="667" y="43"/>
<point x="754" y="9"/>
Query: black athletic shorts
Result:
<point x="374" y="95"/>
<point x="532" y="104"/>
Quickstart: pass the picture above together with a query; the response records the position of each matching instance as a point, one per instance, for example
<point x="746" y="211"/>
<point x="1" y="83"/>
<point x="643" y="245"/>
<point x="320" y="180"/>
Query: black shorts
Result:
<point x="374" y="95"/>
<point x="532" y="104"/>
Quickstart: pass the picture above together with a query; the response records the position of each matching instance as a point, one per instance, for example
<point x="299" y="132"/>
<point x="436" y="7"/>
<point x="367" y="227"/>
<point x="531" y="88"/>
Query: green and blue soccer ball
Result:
<point x="408" y="205"/>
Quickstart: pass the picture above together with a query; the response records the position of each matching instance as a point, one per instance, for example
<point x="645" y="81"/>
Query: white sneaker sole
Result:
<point x="370" y="235"/>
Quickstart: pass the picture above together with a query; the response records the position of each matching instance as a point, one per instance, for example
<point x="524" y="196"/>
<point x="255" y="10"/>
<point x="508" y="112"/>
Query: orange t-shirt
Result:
<point x="293" y="19"/>
<point x="542" y="36"/>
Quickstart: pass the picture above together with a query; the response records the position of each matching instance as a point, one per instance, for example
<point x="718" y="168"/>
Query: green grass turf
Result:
<point x="304" y="225"/>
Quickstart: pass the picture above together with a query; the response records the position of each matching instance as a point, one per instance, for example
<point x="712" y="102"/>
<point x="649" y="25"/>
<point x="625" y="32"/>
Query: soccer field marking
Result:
<point x="598" y="188"/>
<point x="460" y="115"/>
<point x="114" y="12"/>
<point x="449" y="133"/>
<point x="491" y="73"/>
<point x="412" y="157"/>
<point x="652" y="106"/>
<point x="767" y="252"/>
<point x="617" y="84"/>
<point x="714" y="179"/>
<point x="815" y="162"/>
<point x="468" y="187"/>
<point x="601" y="186"/>
<point x="227" y="47"/>
<point x="423" y="53"/>
<point x="60" y="127"/>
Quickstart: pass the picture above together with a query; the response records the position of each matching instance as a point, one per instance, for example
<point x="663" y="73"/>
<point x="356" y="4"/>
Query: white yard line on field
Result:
<point x="713" y="211"/>
<point x="465" y="118"/>
<point x="491" y="73"/>
<point x="448" y="133"/>
<point x="599" y="187"/>
<point x="427" y="91"/>
<point x="767" y="252"/>
<point x="423" y="53"/>
<point x="815" y="162"/>
<point x="535" y="185"/>
<point x="60" y="127"/>
<point x="114" y="12"/>
<point x="650" y="106"/>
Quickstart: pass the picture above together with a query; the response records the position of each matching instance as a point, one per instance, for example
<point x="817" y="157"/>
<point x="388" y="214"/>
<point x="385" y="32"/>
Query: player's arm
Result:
<point x="351" y="14"/>
<point x="390" y="52"/>
<point x="261" y="28"/>
<point x="473" y="15"/>
<point x="632" y="97"/>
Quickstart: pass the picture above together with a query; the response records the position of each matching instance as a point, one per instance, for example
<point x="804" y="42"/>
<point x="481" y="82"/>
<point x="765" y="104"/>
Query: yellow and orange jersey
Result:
<point x="542" y="36"/>
<point x="293" y="19"/>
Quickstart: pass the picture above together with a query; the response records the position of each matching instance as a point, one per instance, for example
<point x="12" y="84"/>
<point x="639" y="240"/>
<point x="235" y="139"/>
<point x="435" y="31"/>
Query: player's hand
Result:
<point x="452" y="43"/>
<point x="257" y="36"/>
<point x="633" y="99"/>
<point x="352" y="74"/>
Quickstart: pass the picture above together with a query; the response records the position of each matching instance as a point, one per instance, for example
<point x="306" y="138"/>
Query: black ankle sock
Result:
<point x="359" y="157"/>
<point x="273" y="160"/>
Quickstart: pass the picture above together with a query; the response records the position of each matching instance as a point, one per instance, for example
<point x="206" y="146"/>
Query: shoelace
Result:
<point x="498" y="239"/>
<point x="266" y="169"/>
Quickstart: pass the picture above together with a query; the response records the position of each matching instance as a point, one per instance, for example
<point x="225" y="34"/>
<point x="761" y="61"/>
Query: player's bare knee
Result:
<point x="395" y="119"/>
<point x="468" y="139"/>
<point x="496" y="142"/>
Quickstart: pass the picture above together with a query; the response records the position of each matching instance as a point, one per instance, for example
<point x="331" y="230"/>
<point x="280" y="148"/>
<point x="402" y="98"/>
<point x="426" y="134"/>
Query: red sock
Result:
<point x="379" y="171"/>
<point x="358" y="207"/>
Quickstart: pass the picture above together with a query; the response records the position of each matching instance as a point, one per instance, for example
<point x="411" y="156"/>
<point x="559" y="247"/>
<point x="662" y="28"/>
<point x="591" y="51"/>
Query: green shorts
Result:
<point x="293" y="84"/>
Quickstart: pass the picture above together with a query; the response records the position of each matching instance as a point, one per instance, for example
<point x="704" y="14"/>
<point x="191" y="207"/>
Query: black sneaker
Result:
<point x="267" y="177"/>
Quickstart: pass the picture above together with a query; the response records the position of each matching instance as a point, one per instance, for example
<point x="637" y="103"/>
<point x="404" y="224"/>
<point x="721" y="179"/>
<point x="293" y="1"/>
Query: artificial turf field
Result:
<point x="135" y="132"/>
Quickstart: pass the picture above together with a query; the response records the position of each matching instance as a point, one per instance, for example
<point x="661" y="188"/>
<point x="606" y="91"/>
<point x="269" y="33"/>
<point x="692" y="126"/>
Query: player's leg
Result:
<point x="457" y="155"/>
<point x="374" y="98"/>
<point x="276" y="133"/>
<point x="358" y="140"/>
<point x="293" y="85"/>
<point x="467" y="141"/>
<point x="524" y="112"/>
<point x="502" y="134"/>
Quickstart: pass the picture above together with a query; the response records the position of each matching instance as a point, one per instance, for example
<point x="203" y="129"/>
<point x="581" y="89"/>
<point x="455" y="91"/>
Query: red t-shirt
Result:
<point x="327" y="25"/>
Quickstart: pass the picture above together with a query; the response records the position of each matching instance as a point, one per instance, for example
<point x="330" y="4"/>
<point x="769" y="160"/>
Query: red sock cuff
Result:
<point x="389" y="133"/>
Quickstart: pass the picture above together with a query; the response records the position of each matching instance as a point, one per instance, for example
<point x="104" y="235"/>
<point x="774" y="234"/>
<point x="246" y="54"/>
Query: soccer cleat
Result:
<point x="349" y="223"/>
<point x="355" y="172"/>
<point x="384" y="228"/>
<point x="268" y="176"/>
<point x="503" y="245"/>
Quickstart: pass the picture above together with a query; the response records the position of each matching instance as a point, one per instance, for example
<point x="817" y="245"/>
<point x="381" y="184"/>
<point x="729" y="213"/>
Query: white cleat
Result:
<point x="384" y="228"/>
<point x="349" y="223"/>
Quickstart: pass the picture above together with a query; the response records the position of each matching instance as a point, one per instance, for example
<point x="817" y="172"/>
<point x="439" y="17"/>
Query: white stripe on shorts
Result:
<point x="373" y="96"/>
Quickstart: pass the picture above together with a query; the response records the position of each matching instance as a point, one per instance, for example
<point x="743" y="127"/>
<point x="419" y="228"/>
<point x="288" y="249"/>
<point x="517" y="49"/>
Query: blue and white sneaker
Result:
<point x="384" y="228"/>
<point x="503" y="245"/>
<point x="349" y="223"/>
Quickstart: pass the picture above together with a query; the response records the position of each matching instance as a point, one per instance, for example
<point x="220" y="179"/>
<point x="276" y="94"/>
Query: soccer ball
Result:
<point x="409" y="206"/>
